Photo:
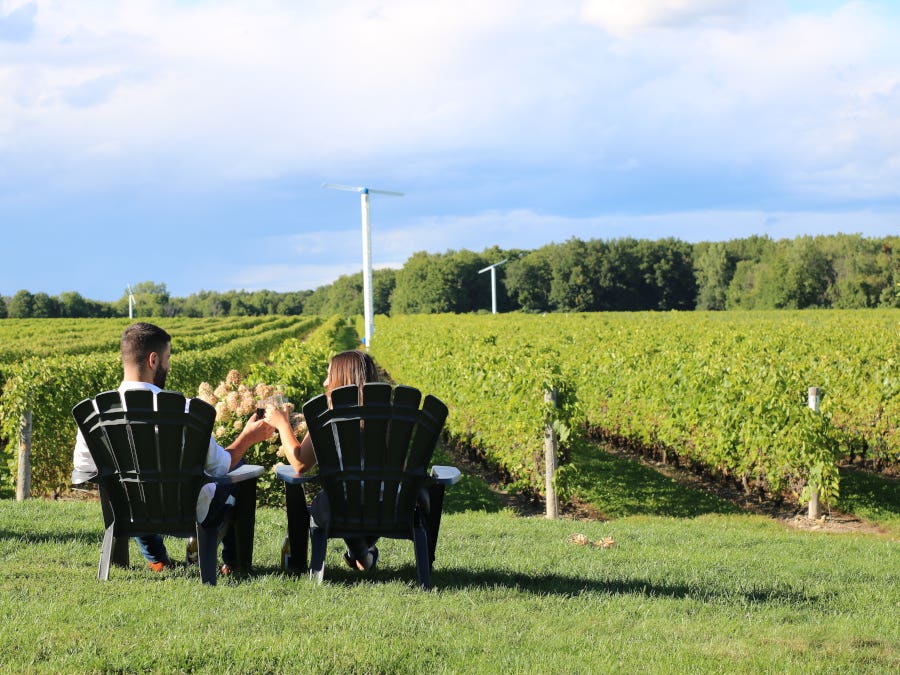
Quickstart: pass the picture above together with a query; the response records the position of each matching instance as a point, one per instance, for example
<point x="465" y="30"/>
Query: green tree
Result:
<point x="44" y="307"/>
<point x="73" y="305"/>
<point x="22" y="305"/>
<point x="431" y="283"/>
<point x="799" y="276"/>
<point x="743" y="290"/>
<point x="384" y="282"/>
<point x="292" y="303"/>
<point x="714" y="270"/>
<point x="3" y="311"/>
<point x="888" y="260"/>
<point x="667" y="275"/>
<point x="150" y="300"/>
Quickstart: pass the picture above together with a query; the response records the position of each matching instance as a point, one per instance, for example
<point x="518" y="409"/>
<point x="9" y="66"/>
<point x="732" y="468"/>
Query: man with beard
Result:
<point x="145" y="360"/>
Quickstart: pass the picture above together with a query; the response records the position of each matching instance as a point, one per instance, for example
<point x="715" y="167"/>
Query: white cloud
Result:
<point x="623" y="17"/>
<point x="209" y="94"/>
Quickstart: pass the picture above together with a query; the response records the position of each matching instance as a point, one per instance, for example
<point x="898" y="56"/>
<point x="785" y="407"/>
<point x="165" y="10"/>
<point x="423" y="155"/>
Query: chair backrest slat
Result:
<point x="376" y="413"/>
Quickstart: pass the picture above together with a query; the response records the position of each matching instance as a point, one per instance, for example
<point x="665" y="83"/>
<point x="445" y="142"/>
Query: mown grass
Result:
<point x="871" y="496"/>
<point x="617" y="487"/>
<point x="712" y="593"/>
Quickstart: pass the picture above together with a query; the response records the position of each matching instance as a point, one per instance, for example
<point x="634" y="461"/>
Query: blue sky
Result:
<point x="186" y="142"/>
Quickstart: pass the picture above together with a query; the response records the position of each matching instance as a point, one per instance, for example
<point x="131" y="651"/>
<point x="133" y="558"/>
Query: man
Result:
<point x="145" y="360"/>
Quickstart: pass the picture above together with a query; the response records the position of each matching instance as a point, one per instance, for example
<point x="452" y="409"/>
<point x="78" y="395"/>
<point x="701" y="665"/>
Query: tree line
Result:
<point x="839" y="271"/>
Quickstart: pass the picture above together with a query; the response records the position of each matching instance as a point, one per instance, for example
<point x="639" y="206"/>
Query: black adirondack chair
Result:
<point x="372" y="457"/>
<point x="150" y="454"/>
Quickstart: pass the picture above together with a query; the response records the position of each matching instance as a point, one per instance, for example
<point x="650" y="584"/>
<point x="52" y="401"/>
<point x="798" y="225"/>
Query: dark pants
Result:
<point x="320" y="517"/>
<point x="154" y="550"/>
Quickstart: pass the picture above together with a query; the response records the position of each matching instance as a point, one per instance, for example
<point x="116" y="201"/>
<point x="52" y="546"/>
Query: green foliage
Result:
<point x="345" y="295"/>
<point x="51" y="386"/>
<point x="22" y="305"/>
<point x="622" y="274"/>
<point x="723" y="391"/>
<point x="843" y="271"/>
<point x="449" y="282"/>
<point x="494" y="390"/>
<point x="714" y="271"/>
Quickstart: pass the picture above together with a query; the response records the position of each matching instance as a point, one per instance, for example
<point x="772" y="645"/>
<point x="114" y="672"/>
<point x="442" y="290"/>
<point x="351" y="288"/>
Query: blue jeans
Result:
<point x="153" y="549"/>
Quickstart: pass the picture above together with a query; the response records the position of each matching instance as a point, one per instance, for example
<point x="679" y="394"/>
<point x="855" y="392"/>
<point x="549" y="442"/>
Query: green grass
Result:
<point x="871" y="496"/>
<point x="712" y="593"/>
<point x="618" y="487"/>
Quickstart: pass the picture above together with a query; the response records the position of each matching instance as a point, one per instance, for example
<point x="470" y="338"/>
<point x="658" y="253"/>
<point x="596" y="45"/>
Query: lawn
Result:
<point x="710" y="593"/>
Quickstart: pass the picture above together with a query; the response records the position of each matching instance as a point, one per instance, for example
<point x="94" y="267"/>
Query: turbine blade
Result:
<point x="496" y="264"/>
<point x="386" y="192"/>
<point x="349" y="188"/>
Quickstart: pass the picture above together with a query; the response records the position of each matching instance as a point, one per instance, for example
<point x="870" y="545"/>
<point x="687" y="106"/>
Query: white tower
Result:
<point x="130" y="303"/>
<point x="368" y="302"/>
<point x="493" y="269"/>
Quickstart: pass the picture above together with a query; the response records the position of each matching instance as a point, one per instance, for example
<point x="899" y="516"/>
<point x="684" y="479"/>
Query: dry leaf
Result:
<point x="579" y="539"/>
<point x="606" y="542"/>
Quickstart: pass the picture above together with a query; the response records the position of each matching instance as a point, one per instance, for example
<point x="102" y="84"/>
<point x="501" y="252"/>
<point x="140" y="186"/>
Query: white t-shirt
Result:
<point x="218" y="459"/>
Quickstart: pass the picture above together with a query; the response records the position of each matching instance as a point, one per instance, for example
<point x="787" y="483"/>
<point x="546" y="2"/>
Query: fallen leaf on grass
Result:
<point x="579" y="539"/>
<point x="582" y="540"/>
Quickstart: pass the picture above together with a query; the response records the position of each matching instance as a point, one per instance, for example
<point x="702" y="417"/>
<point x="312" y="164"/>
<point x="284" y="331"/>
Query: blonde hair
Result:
<point x="351" y="367"/>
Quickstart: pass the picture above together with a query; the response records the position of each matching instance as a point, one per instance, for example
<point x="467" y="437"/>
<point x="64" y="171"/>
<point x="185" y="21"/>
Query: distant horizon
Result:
<point x="381" y="267"/>
<point x="187" y="142"/>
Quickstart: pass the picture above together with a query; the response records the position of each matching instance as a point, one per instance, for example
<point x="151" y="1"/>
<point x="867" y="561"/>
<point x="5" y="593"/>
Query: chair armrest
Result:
<point x="241" y="473"/>
<point x="287" y="473"/>
<point x="79" y="477"/>
<point x="445" y="475"/>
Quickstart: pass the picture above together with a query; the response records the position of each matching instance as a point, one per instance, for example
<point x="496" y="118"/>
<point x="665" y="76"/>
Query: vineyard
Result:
<point x="723" y="392"/>
<point x="49" y="365"/>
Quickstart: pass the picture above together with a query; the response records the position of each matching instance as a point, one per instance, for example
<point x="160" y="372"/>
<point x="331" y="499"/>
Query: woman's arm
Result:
<point x="299" y="454"/>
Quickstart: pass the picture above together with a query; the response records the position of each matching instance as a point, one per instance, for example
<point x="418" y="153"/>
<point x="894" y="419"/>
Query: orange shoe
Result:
<point x="159" y="566"/>
<point x="226" y="570"/>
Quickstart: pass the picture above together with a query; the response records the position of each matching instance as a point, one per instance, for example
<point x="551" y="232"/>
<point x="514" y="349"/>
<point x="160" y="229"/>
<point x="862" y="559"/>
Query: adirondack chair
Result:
<point x="372" y="457"/>
<point x="150" y="454"/>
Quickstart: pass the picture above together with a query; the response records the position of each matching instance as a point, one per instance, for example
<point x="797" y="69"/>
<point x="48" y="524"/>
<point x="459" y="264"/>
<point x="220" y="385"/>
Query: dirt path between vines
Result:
<point x="789" y="514"/>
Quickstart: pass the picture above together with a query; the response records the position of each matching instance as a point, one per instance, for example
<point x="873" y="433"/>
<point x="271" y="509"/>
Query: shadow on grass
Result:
<point x="469" y="494"/>
<point x="869" y="495"/>
<point x="560" y="584"/>
<point x="58" y="537"/>
<point x="619" y="487"/>
<point x="461" y="579"/>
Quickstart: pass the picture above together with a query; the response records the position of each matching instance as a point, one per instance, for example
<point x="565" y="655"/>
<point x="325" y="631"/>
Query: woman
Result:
<point x="346" y="368"/>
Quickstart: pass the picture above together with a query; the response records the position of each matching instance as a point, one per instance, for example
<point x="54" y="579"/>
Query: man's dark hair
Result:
<point x="140" y="339"/>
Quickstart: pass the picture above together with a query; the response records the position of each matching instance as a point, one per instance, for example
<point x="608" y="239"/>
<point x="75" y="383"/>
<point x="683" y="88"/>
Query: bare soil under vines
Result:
<point x="786" y="511"/>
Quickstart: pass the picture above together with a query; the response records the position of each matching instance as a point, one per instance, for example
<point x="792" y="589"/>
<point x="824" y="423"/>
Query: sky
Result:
<point x="186" y="143"/>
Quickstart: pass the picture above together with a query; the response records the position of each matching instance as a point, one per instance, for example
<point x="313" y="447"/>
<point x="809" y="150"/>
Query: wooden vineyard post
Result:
<point x="550" y="451"/>
<point x="23" y="476"/>
<point x="815" y="509"/>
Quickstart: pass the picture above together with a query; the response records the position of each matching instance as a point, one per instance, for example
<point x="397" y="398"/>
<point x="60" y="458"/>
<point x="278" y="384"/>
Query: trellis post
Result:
<point x="815" y="508"/>
<point x="550" y="452"/>
<point x="23" y="475"/>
